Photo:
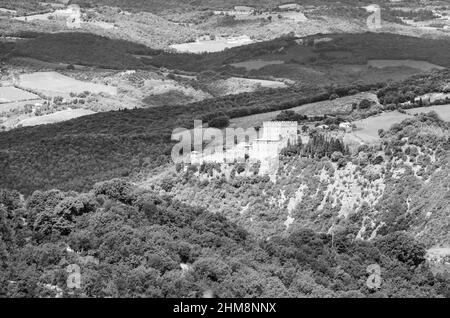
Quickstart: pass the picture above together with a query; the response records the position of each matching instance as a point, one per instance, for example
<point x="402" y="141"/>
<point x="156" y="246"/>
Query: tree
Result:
<point x="403" y="247"/>
<point x="365" y="104"/>
<point x="117" y="189"/>
<point x="219" y="122"/>
<point x="334" y="96"/>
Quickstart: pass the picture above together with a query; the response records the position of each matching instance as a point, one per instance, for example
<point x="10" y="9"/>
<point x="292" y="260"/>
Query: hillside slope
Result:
<point x="397" y="186"/>
<point x="129" y="242"/>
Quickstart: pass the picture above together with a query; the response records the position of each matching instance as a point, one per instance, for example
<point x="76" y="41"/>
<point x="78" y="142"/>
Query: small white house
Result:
<point x="347" y="127"/>
<point x="244" y="9"/>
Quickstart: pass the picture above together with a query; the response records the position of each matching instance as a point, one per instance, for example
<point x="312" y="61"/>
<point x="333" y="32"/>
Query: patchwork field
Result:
<point x="54" y="84"/>
<point x="56" y="117"/>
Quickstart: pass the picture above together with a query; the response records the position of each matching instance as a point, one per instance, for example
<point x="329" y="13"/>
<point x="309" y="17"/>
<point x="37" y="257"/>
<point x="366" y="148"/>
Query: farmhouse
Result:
<point x="347" y="127"/>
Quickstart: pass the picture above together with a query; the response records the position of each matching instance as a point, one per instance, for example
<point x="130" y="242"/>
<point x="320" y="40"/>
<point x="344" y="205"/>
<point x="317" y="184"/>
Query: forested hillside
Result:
<point x="93" y="205"/>
<point x="129" y="242"/>
<point x="343" y="48"/>
<point x="73" y="155"/>
<point x="396" y="186"/>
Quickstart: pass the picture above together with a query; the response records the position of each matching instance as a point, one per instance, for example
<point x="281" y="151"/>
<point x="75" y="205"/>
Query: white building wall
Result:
<point x="276" y="136"/>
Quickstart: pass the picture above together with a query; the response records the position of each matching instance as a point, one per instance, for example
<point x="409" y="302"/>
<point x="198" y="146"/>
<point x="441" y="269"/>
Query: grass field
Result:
<point x="8" y="107"/>
<point x="337" y="106"/>
<point x="256" y="64"/>
<point x="442" y="110"/>
<point x="420" y="65"/>
<point x="56" y="117"/>
<point x="237" y="85"/>
<point x="367" y="129"/>
<point x="54" y="84"/>
<point x="212" y="45"/>
<point x="12" y="94"/>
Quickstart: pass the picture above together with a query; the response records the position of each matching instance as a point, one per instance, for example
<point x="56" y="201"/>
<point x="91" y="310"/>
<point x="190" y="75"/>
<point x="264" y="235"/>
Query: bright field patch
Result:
<point x="342" y="105"/>
<point x="443" y="111"/>
<point x="12" y="94"/>
<point x="367" y="129"/>
<point x="54" y="84"/>
<point x="56" y="117"/>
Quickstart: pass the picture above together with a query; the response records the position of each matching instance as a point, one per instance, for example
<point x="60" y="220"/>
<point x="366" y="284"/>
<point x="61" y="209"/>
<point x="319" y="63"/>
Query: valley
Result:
<point x="92" y="93"/>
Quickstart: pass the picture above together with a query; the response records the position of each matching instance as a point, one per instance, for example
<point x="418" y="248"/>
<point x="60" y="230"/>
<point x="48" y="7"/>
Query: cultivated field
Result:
<point x="442" y="110"/>
<point x="9" y="107"/>
<point x="420" y="65"/>
<point x="367" y="129"/>
<point x="210" y="46"/>
<point x="55" y="117"/>
<point x="256" y="64"/>
<point x="238" y="85"/>
<point x="12" y="94"/>
<point x="54" y="84"/>
<point x="337" y="106"/>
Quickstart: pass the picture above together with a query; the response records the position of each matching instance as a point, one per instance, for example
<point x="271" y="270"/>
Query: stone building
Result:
<point x="274" y="136"/>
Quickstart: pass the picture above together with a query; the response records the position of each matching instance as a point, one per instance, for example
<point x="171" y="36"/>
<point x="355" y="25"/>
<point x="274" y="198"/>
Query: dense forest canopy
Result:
<point x="130" y="242"/>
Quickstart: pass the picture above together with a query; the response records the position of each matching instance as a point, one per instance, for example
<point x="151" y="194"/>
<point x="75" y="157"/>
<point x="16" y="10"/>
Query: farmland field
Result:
<point x="367" y="129"/>
<point x="54" y="84"/>
<point x="211" y="45"/>
<point x="255" y="64"/>
<point x="336" y="106"/>
<point x="442" y="110"/>
<point x="56" y="117"/>
<point x="8" y="107"/>
<point x="12" y="94"/>
<point x="420" y="65"/>
<point x="237" y="85"/>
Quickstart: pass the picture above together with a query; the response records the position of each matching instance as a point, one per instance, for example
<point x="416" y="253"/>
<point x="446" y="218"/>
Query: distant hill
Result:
<point x="180" y="5"/>
<point x="82" y="48"/>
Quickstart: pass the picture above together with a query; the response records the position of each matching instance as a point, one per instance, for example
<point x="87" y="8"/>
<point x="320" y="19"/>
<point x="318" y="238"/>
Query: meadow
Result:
<point x="53" y="84"/>
<point x="55" y="117"/>
<point x="367" y="129"/>
<point x="10" y="94"/>
<point x="338" y="106"/>
<point x="443" y="111"/>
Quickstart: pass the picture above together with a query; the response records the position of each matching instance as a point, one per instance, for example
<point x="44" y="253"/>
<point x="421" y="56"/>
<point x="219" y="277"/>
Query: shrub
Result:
<point x="365" y="104"/>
